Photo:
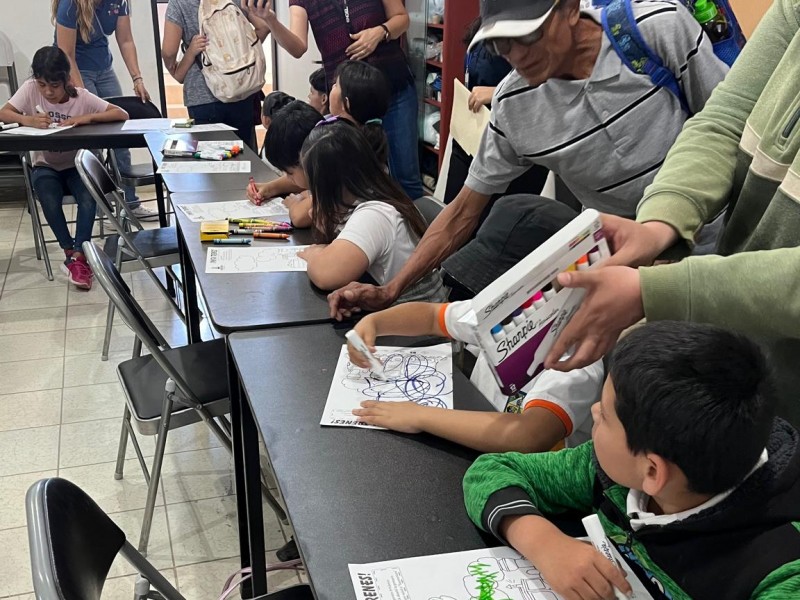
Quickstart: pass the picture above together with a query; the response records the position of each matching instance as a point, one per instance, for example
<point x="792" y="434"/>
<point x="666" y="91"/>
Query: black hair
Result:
<point x="318" y="81"/>
<point x="287" y="133"/>
<point x="274" y="102"/>
<point x="366" y="94"/>
<point x="471" y="31"/>
<point x="699" y="396"/>
<point x="337" y="157"/>
<point x="52" y="65"/>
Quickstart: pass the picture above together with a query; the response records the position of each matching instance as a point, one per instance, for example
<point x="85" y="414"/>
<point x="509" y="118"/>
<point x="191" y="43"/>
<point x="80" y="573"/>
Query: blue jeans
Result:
<point x="51" y="186"/>
<point x="106" y="85"/>
<point x="236" y="114"/>
<point x="402" y="130"/>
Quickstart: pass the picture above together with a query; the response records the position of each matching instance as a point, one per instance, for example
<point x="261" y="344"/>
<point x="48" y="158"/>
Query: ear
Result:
<point x="657" y="473"/>
<point x="573" y="12"/>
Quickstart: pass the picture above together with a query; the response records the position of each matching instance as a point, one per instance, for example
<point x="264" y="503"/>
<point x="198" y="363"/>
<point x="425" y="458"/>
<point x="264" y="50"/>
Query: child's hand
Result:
<point x="397" y="416"/>
<point x="254" y="194"/>
<point x="367" y="331"/>
<point x="39" y="121"/>
<point x="576" y="570"/>
<point x="75" y="121"/>
<point x="197" y="45"/>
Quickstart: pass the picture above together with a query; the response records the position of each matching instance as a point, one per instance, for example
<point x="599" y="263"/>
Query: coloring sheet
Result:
<point x="204" y="166"/>
<point x="488" y="574"/>
<point x="165" y="125"/>
<point x="234" y="209"/>
<point x="422" y="375"/>
<point x="228" y="259"/>
<point x="204" y="145"/>
<point x="36" y="131"/>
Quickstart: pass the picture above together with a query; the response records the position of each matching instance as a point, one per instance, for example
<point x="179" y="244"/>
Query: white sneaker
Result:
<point x="144" y="214"/>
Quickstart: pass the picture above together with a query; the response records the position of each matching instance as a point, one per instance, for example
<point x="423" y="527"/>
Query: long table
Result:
<point x="352" y="495"/>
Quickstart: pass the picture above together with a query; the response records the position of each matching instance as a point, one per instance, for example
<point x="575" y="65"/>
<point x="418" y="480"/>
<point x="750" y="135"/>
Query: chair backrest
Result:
<point x="72" y="541"/>
<point x="135" y="108"/>
<point x="429" y="207"/>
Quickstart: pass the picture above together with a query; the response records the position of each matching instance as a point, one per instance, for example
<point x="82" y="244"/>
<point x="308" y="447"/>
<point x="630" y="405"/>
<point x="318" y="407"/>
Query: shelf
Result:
<point x="430" y="148"/>
<point x="436" y="26"/>
<point x="433" y="102"/>
<point x="434" y="63"/>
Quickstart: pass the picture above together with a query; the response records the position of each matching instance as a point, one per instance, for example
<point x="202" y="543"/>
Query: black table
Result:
<point x="244" y="301"/>
<point x="207" y="182"/>
<point x="352" y="495"/>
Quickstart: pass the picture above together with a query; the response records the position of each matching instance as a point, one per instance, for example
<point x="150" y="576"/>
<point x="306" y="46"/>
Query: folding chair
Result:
<point x="167" y="389"/>
<point x="73" y="544"/>
<point x="429" y="207"/>
<point x="134" y="248"/>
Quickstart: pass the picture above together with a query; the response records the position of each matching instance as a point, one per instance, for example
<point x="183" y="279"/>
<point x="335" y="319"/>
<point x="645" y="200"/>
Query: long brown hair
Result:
<point x="337" y="157"/>
<point x="85" y="10"/>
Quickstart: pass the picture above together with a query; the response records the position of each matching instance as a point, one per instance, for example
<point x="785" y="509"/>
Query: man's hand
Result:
<point x="39" y="121"/>
<point x="364" y="43"/>
<point x="613" y="303"/>
<point x="636" y="244"/>
<point x="479" y="97"/>
<point x="397" y="416"/>
<point x="356" y="296"/>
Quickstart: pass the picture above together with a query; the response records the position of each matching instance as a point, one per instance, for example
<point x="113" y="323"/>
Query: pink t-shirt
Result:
<point x="28" y="97"/>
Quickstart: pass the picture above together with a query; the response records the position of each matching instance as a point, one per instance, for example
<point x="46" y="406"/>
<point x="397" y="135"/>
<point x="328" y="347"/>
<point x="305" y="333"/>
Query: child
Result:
<point x="554" y="406"/>
<point x="318" y="93"/>
<point x="274" y="102"/>
<point x="45" y="100"/>
<point x="364" y="219"/>
<point x="694" y="481"/>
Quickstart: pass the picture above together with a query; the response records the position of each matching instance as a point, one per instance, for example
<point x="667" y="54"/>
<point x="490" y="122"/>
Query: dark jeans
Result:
<point x="236" y="114"/>
<point x="51" y="186"/>
<point x="401" y="127"/>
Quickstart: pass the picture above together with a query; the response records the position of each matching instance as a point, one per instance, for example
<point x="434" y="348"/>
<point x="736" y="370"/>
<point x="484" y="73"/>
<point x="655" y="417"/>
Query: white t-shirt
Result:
<point x="383" y="235"/>
<point x="569" y="396"/>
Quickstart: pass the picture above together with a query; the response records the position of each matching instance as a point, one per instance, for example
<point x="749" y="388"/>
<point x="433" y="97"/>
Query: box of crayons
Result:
<point x="214" y="230"/>
<point x="520" y="315"/>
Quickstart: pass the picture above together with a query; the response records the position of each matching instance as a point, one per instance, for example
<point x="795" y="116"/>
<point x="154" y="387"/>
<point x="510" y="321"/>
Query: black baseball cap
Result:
<point x="511" y="18"/>
<point x="514" y="228"/>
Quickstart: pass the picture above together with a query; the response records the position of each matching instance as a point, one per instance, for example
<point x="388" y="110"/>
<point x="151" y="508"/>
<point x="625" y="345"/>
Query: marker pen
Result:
<point x="572" y="267"/>
<point x="508" y="324"/>
<point x="39" y="109"/>
<point x="594" y="528"/>
<point x="594" y="255"/>
<point x="518" y="317"/>
<point x="538" y="300"/>
<point x="497" y="333"/>
<point x="548" y="292"/>
<point x="528" y="308"/>
<point x="271" y="236"/>
<point x="375" y="365"/>
<point x="232" y="242"/>
<point x="583" y="262"/>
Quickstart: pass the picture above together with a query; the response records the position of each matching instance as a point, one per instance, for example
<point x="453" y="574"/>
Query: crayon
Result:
<point x="232" y="242"/>
<point x="271" y="236"/>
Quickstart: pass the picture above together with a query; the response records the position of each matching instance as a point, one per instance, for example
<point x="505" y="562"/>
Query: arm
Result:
<point x="293" y="39"/>
<point x="127" y="48"/>
<point x="684" y="196"/>
<point x="367" y="40"/>
<point x="169" y="50"/>
<point x="111" y="114"/>
<point x="334" y="265"/>
<point x="299" y="206"/>
<point x="783" y="582"/>
<point x="9" y="114"/>
<point x="256" y="15"/>
<point x="66" y="38"/>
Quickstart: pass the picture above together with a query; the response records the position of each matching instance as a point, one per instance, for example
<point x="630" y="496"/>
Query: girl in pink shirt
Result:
<point x="48" y="99"/>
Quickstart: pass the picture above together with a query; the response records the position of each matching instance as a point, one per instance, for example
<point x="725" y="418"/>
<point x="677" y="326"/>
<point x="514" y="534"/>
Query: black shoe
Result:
<point x="288" y="551"/>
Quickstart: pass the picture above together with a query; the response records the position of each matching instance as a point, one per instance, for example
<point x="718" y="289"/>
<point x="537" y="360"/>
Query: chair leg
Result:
<point x="38" y="236"/>
<point x="109" y="325"/>
<point x="123" y="443"/>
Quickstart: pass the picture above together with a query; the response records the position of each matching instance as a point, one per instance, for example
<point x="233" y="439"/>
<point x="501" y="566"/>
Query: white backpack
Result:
<point x="233" y="63"/>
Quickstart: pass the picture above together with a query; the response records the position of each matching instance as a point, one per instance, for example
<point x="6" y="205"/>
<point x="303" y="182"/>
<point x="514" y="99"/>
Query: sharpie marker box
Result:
<point x="177" y="148"/>
<point x="519" y="316"/>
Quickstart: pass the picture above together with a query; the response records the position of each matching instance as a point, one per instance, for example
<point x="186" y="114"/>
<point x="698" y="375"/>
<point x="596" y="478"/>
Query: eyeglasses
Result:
<point x="502" y="46"/>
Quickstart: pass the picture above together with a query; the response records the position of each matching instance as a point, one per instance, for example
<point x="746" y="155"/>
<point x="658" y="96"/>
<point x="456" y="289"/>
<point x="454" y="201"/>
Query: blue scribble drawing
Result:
<point x="411" y="375"/>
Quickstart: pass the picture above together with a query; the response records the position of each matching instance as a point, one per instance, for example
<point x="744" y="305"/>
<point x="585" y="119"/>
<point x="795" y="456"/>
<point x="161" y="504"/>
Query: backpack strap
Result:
<point x="619" y="24"/>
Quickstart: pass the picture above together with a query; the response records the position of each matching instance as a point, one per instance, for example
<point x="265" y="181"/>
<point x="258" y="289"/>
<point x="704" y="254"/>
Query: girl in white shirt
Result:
<point x="365" y="222"/>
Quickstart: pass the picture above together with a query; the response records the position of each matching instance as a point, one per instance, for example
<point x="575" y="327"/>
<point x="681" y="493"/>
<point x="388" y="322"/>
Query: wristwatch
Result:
<point x="387" y="35"/>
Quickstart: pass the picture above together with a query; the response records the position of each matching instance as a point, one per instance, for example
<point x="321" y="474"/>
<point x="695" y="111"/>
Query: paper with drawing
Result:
<point x="234" y="209"/>
<point x="35" y="131"/>
<point x="227" y="259"/>
<point x="467" y="127"/>
<point x="488" y="574"/>
<point x="204" y="166"/>
<point x="165" y="125"/>
<point x="422" y="375"/>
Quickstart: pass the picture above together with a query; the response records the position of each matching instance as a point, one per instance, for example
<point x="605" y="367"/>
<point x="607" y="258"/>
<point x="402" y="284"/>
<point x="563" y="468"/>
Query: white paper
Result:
<point x="234" y="209"/>
<point x="165" y="125"/>
<point x="36" y="130"/>
<point x="176" y="167"/>
<point x="204" y="145"/>
<point x="203" y="128"/>
<point x="467" y="127"/>
<point x="421" y="375"/>
<point x="230" y="259"/>
<point x="491" y="573"/>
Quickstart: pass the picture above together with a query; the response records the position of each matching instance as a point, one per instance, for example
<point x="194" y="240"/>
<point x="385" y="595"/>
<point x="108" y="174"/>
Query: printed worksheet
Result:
<point x="227" y="259"/>
<point x="165" y="125"/>
<point x="488" y="574"/>
<point x="176" y="167"/>
<point x="36" y="131"/>
<point x="422" y="375"/>
<point x="235" y="209"/>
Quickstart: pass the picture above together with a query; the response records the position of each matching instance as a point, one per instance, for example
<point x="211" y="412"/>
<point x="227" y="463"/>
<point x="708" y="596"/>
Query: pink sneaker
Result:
<point x="79" y="272"/>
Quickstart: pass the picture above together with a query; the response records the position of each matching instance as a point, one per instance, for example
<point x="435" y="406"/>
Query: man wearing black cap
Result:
<point x="572" y="106"/>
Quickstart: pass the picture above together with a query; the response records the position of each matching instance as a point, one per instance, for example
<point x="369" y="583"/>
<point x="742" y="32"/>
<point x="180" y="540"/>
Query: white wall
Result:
<point x="29" y="28"/>
<point x="293" y="72"/>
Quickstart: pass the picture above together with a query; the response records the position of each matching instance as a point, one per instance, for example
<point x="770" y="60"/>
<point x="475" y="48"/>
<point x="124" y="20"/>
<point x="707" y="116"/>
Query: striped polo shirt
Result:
<point x="608" y="135"/>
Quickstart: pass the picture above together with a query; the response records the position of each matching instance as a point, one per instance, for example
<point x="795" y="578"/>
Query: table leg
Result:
<point x="247" y="477"/>
<point x="190" y="307"/>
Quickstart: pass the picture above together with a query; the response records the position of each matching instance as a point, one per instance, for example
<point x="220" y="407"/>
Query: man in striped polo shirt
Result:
<point x="572" y="106"/>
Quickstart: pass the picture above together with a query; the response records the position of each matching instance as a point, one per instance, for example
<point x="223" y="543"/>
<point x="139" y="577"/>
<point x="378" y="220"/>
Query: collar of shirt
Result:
<point x="636" y="505"/>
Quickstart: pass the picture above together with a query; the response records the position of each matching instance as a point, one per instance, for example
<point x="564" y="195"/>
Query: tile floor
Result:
<point x="60" y="411"/>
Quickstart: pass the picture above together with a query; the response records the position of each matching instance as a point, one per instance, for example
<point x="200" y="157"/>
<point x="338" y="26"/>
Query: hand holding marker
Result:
<point x="375" y="365"/>
<point x="594" y="528"/>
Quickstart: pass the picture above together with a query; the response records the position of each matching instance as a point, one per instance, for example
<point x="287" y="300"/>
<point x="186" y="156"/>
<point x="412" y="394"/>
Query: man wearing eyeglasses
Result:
<point x="572" y="106"/>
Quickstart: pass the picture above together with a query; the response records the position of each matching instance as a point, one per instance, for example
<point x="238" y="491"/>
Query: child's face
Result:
<point x="337" y="102"/>
<point x="52" y="92"/>
<point x="298" y="177"/>
<point x="317" y="100"/>
<point x="611" y="443"/>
